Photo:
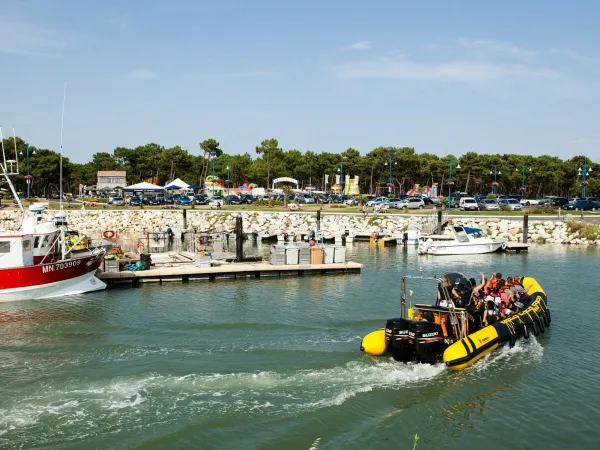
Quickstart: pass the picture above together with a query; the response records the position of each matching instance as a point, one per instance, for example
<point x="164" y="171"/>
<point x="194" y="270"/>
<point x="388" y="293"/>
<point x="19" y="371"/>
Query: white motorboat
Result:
<point x="459" y="240"/>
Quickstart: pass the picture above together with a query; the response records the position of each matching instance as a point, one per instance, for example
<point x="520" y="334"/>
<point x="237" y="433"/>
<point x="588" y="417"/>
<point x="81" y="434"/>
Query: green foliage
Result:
<point x="589" y="231"/>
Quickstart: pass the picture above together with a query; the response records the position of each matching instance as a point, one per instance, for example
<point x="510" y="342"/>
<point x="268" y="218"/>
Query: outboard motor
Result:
<point x="427" y="341"/>
<point x="397" y="337"/>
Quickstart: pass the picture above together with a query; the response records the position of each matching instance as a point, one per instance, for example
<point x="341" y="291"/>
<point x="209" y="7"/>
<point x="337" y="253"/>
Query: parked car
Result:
<point x="155" y="201"/>
<point x="247" y="199"/>
<point x="375" y="200"/>
<point x="556" y="202"/>
<point x="582" y="205"/>
<point x="488" y="204"/>
<point x="305" y="198"/>
<point x="168" y="200"/>
<point x="201" y="199"/>
<point x="134" y="201"/>
<point x="394" y="203"/>
<point x="216" y="200"/>
<point x="468" y="204"/>
<point x="118" y="201"/>
<point x="431" y="201"/>
<point x="184" y="201"/>
<point x="511" y="204"/>
<point x="411" y="203"/>
<point x="529" y="201"/>
<point x="232" y="200"/>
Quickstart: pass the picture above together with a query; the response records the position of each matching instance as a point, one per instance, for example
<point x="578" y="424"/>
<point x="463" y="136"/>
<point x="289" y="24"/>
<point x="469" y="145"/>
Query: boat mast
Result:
<point x="8" y="180"/>
<point x="60" y="194"/>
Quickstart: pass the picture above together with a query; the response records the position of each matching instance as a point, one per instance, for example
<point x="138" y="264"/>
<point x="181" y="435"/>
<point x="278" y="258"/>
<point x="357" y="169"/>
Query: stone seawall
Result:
<point x="136" y="223"/>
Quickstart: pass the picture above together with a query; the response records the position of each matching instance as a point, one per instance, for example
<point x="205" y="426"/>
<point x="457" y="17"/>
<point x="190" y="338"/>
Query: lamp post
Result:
<point x="450" y="182"/>
<point x="495" y="172"/>
<point x="28" y="177"/>
<point x="341" y="171"/>
<point x="228" y="179"/>
<point x="523" y="189"/>
<point x="390" y="164"/>
<point x="584" y="174"/>
<point x="212" y="156"/>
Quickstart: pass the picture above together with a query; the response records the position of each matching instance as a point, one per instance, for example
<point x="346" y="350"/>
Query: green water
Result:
<point x="275" y="364"/>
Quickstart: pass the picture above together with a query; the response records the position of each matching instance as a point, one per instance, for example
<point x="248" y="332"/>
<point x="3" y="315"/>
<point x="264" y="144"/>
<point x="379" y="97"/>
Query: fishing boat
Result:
<point x="452" y="334"/>
<point x="37" y="260"/>
<point x="459" y="240"/>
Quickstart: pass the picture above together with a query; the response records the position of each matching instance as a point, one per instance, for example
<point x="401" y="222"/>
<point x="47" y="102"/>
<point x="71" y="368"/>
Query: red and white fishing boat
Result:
<point x="36" y="261"/>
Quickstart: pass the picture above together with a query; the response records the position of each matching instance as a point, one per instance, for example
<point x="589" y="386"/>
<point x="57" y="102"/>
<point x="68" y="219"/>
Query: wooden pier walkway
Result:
<point x="225" y="271"/>
<point x="516" y="247"/>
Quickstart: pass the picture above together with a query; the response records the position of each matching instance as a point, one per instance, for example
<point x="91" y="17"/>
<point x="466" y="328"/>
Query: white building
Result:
<point x="111" y="179"/>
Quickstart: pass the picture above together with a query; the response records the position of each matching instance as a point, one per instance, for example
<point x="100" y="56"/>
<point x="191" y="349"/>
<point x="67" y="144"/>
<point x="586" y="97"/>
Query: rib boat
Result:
<point x="451" y="334"/>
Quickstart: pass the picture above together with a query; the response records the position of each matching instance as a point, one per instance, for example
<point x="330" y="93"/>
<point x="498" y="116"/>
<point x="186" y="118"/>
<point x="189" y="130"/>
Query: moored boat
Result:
<point x="459" y="240"/>
<point x="37" y="260"/>
<point x="429" y="333"/>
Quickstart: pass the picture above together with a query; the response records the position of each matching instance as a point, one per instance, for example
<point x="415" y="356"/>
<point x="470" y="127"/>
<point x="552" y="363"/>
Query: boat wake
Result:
<point x="95" y="409"/>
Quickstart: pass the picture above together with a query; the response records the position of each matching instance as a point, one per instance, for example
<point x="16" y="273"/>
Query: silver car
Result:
<point x="118" y="201"/>
<point x="411" y="203"/>
<point x="488" y="204"/>
<point x="510" y="203"/>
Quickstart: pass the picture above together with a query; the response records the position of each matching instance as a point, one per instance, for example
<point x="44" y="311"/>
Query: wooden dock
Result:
<point x="226" y="271"/>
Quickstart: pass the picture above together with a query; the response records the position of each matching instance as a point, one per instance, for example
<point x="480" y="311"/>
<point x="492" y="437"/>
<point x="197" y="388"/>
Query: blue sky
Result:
<point x="444" y="77"/>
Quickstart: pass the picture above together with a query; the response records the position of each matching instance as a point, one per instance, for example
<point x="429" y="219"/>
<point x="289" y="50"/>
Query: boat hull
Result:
<point x="467" y="248"/>
<point x="68" y="277"/>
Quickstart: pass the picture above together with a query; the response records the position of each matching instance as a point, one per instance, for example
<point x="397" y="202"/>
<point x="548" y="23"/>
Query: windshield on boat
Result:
<point x="475" y="232"/>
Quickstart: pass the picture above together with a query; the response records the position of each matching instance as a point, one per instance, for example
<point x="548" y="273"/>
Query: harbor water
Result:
<point x="275" y="364"/>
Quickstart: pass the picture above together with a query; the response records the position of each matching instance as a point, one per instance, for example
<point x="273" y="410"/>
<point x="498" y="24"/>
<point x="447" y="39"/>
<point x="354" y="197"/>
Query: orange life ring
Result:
<point x="140" y="246"/>
<point x="109" y="234"/>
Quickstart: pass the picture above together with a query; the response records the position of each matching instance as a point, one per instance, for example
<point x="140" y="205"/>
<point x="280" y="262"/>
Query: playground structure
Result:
<point x="350" y="185"/>
<point x="214" y="185"/>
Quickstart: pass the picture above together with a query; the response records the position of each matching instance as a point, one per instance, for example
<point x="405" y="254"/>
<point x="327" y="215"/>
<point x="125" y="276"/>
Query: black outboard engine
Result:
<point x="427" y="341"/>
<point x="397" y="339"/>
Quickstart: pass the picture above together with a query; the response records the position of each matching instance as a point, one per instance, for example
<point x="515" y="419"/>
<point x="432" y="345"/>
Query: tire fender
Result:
<point x="535" y="327"/>
<point x="540" y="322"/>
<point x="526" y="331"/>
<point x="547" y="318"/>
<point x="512" y="340"/>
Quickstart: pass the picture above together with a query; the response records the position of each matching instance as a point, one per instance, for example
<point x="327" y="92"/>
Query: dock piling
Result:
<point x="525" y="228"/>
<point x="239" y="242"/>
<point x="439" y="222"/>
<point x="318" y="219"/>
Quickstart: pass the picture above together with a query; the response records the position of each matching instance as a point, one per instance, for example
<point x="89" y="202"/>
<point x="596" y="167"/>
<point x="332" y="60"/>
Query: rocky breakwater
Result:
<point x="137" y="223"/>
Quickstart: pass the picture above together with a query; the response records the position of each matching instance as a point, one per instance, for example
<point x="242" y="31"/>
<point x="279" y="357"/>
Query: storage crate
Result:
<point x="316" y="255"/>
<point x="111" y="265"/>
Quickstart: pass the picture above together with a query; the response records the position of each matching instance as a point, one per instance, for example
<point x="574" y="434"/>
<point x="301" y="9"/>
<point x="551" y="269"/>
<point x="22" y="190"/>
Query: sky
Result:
<point x="442" y="77"/>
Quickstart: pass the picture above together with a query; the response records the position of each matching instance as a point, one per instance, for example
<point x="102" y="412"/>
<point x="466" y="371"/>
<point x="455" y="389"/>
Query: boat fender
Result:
<point x="547" y="318"/>
<point x="140" y="246"/>
<point x="540" y="322"/>
<point x="512" y="340"/>
<point x="535" y="327"/>
<point x="504" y="245"/>
<point x="526" y="331"/>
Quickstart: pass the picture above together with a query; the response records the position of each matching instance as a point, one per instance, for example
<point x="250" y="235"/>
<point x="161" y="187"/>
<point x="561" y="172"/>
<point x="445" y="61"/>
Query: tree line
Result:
<point x="471" y="172"/>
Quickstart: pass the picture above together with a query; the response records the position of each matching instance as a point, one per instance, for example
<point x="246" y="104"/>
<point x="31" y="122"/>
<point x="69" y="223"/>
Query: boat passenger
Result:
<point x="490" y="313"/>
<point x="504" y="311"/>
<point x="441" y="300"/>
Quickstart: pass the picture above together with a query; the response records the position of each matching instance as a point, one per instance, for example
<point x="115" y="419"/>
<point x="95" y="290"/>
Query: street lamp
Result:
<point x="341" y="171"/>
<point x="389" y="164"/>
<point x="450" y="182"/>
<point x="584" y="174"/>
<point x="228" y="180"/>
<point x="495" y="172"/>
<point x="212" y="156"/>
<point x="28" y="177"/>
<point x="523" y="189"/>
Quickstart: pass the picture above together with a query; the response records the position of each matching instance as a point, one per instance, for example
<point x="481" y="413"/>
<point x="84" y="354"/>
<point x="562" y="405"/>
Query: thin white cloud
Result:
<point x="120" y="21"/>
<point x="496" y="49"/>
<point x="581" y="141"/>
<point x="250" y="73"/>
<point x="360" y="46"/>
<point x="142" y="74"/>
<point x="28" y="39"/>
<point x="577" y="57"/>
<point x="472" y="72"/>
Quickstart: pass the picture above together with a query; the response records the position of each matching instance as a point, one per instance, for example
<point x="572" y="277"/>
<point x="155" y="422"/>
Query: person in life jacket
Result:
<point x="454" y="295"/>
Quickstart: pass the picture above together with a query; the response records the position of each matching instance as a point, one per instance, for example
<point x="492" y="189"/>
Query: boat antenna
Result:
<point x="62" y="125"/>
<point x="3" y="153"/>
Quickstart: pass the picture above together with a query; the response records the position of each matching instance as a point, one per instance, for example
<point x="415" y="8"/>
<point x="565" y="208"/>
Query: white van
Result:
<point x="468" y="204"/>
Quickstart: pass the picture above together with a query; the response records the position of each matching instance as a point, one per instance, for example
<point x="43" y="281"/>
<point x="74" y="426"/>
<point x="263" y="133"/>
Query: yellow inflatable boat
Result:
<point x="453" y="333"/>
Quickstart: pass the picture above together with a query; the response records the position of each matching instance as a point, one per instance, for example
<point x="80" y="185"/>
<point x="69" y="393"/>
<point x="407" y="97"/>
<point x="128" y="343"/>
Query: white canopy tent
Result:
<point x="144" y="187"/>
<point x="177" y="183"/>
